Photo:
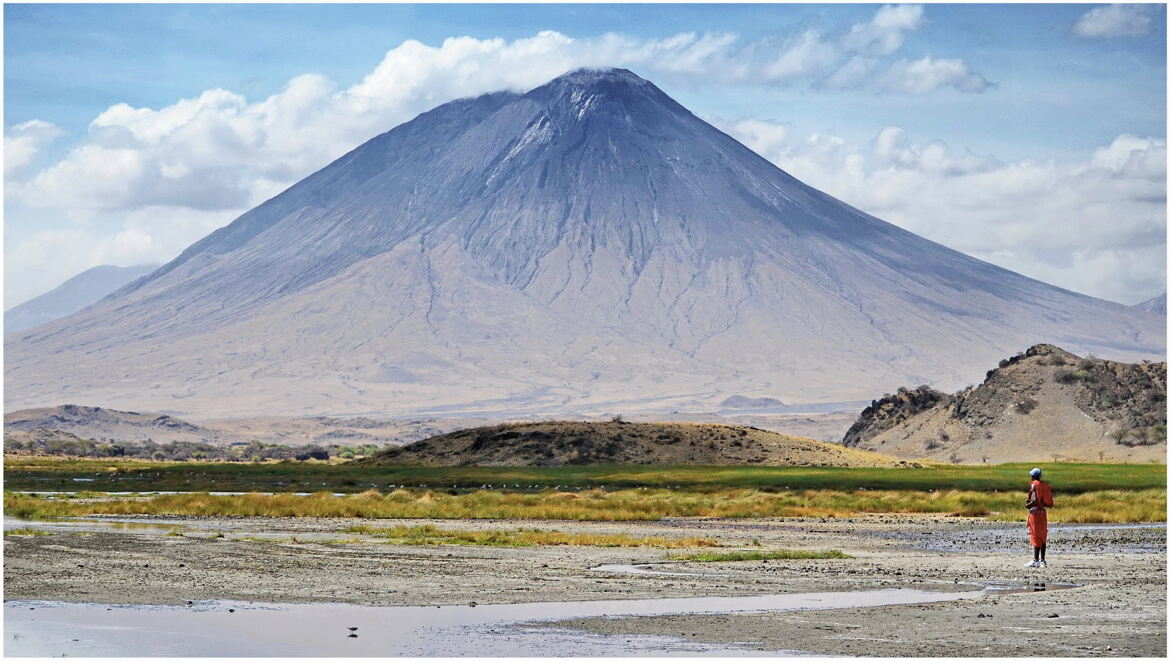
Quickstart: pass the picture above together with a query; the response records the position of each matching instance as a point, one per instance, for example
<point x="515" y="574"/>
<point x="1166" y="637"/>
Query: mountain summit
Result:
<point x="587" y="245"/>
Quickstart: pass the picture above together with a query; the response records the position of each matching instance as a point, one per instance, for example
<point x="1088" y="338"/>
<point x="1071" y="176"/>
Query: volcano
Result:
<point x="589" y="245"/>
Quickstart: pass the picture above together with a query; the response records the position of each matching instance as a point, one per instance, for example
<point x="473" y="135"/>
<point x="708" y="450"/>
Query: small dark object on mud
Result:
<point x="231" y="610"/>
<point x="353" y="628"/>
<point x="472" y="604"/>
<point x="190" y="603"/>
<point x="1053" y="615"/>
<point x="352" y="635"/>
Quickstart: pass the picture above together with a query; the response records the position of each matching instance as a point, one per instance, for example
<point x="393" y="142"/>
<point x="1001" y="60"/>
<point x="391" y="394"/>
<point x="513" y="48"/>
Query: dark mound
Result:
<point x="562" y="443"/>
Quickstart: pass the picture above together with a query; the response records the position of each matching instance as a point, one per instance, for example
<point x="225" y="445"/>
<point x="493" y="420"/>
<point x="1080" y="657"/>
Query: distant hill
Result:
<point x="1157" y="305"/>
<point x="741" y="402"/>
<point x="1045" y="404"/>
<point x="99" y="423"/>
<point x="78" y="292"/>
<point x="576" y="443"/>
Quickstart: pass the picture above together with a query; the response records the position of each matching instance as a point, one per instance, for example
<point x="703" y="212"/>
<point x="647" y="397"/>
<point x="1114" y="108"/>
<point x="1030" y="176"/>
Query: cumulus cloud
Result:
<point x="24" y="141"/>
<point x="928" y="74"/>
<point x="220" y="151"/>
<point x="1114" y="21"/>
<point x="1097" y="225"/>
<point x="39" y="262"/>
<point x="886" y="32"/>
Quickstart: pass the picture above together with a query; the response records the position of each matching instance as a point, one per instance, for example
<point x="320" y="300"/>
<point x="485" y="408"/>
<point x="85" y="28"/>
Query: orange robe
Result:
<point x="1039" y="498"/>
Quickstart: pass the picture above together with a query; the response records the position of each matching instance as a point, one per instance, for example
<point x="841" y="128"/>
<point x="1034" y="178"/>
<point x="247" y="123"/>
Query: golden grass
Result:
<point x="428" y="535"/>
<point x="621" y="505"/>
<point x="738" y="556"/>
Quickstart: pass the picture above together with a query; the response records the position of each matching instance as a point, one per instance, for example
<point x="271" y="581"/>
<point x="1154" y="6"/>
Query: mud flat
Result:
<point x="1120" y="609"/>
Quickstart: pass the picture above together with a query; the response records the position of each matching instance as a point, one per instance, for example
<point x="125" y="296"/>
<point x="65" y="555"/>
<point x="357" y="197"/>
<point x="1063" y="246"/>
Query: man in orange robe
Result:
<point x="1038" y="502"/>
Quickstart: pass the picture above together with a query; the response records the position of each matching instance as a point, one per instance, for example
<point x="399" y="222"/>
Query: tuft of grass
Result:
<point x="26" y="532"/>
<point x="738" y="556"/>
<point x="429" y="535"/>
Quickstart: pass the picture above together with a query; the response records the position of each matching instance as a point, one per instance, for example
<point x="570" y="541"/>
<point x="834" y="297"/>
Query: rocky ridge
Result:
<point x="1042" y="404"/>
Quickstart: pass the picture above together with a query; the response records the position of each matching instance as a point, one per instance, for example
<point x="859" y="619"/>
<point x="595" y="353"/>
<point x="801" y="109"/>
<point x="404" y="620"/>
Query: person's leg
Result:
<point x="1036" y="554"/>
<point x="1042" y="550"/>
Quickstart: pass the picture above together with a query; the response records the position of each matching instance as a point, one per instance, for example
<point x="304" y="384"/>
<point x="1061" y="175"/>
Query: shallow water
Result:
<point x="35" y="628"/>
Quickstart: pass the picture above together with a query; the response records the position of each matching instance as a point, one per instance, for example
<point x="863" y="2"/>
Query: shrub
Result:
<point x="1026" y="405"/>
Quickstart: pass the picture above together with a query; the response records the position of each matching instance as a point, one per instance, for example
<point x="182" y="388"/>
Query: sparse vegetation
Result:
<point x="105" y="475"/>
<point x="739" y="556"/>
<point x="429" y="535"/>
<point x="68" y="445"/>
<point x="622" y="505"/>
<point x="1071" y="376"/>
<point x="1026" y="405"/>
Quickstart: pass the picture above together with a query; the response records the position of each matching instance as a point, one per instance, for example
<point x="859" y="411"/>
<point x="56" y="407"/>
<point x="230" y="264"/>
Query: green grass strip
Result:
<point x="60" y="474"/>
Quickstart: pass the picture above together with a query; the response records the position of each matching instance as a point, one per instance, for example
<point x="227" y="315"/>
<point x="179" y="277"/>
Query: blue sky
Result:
<point x="1016" y="95"/>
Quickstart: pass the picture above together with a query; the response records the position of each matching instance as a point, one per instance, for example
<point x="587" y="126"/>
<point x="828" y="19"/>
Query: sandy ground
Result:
<point x="1119" y="611"/>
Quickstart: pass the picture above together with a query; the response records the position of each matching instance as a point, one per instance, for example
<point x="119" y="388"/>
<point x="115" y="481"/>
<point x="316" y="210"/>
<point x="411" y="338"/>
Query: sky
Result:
<point x="1030" y="136"/>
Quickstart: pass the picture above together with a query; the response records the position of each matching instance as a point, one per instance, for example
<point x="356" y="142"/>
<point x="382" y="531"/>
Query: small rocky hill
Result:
<point x="1044" y="404"/>
<point x="577" y="443"/>
<point x="103" y="424"/>
<point x="99" y="423"/>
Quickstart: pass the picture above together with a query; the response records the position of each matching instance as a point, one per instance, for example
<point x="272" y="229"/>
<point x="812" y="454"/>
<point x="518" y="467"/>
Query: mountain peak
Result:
<point x="582" y="92"/>
<point x="586" y="76"/>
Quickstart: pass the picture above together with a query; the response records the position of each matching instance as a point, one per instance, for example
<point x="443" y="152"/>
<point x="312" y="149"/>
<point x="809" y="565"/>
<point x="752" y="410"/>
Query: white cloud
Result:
<point x="928" y="74"/>
<point x="807" y="54"/>
<point x="1114" y="21"/>
<point x="1097" y="225"/>
<point x="886" y="32"/>
<point x="24" y="141"/>
<point x="41" y="261"/>
<point x="218" y="151"/>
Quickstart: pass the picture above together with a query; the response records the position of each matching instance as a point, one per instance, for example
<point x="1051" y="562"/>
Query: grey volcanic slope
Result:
<point x="589" y="245"/>
<point x="81" y="290"/>
<point x="1157" y="305"/>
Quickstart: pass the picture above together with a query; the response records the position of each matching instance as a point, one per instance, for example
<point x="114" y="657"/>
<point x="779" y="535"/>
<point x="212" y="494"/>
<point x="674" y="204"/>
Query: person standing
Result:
<point x="1038" y="502"/>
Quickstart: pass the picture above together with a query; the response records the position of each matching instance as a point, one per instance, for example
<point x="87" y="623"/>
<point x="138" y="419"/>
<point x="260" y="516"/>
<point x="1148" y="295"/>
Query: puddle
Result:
<point x="37" y="628"/>
<point x="649" y="569"/>
<point x="95" y="525"/>
<point x="1018" y="587"/>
